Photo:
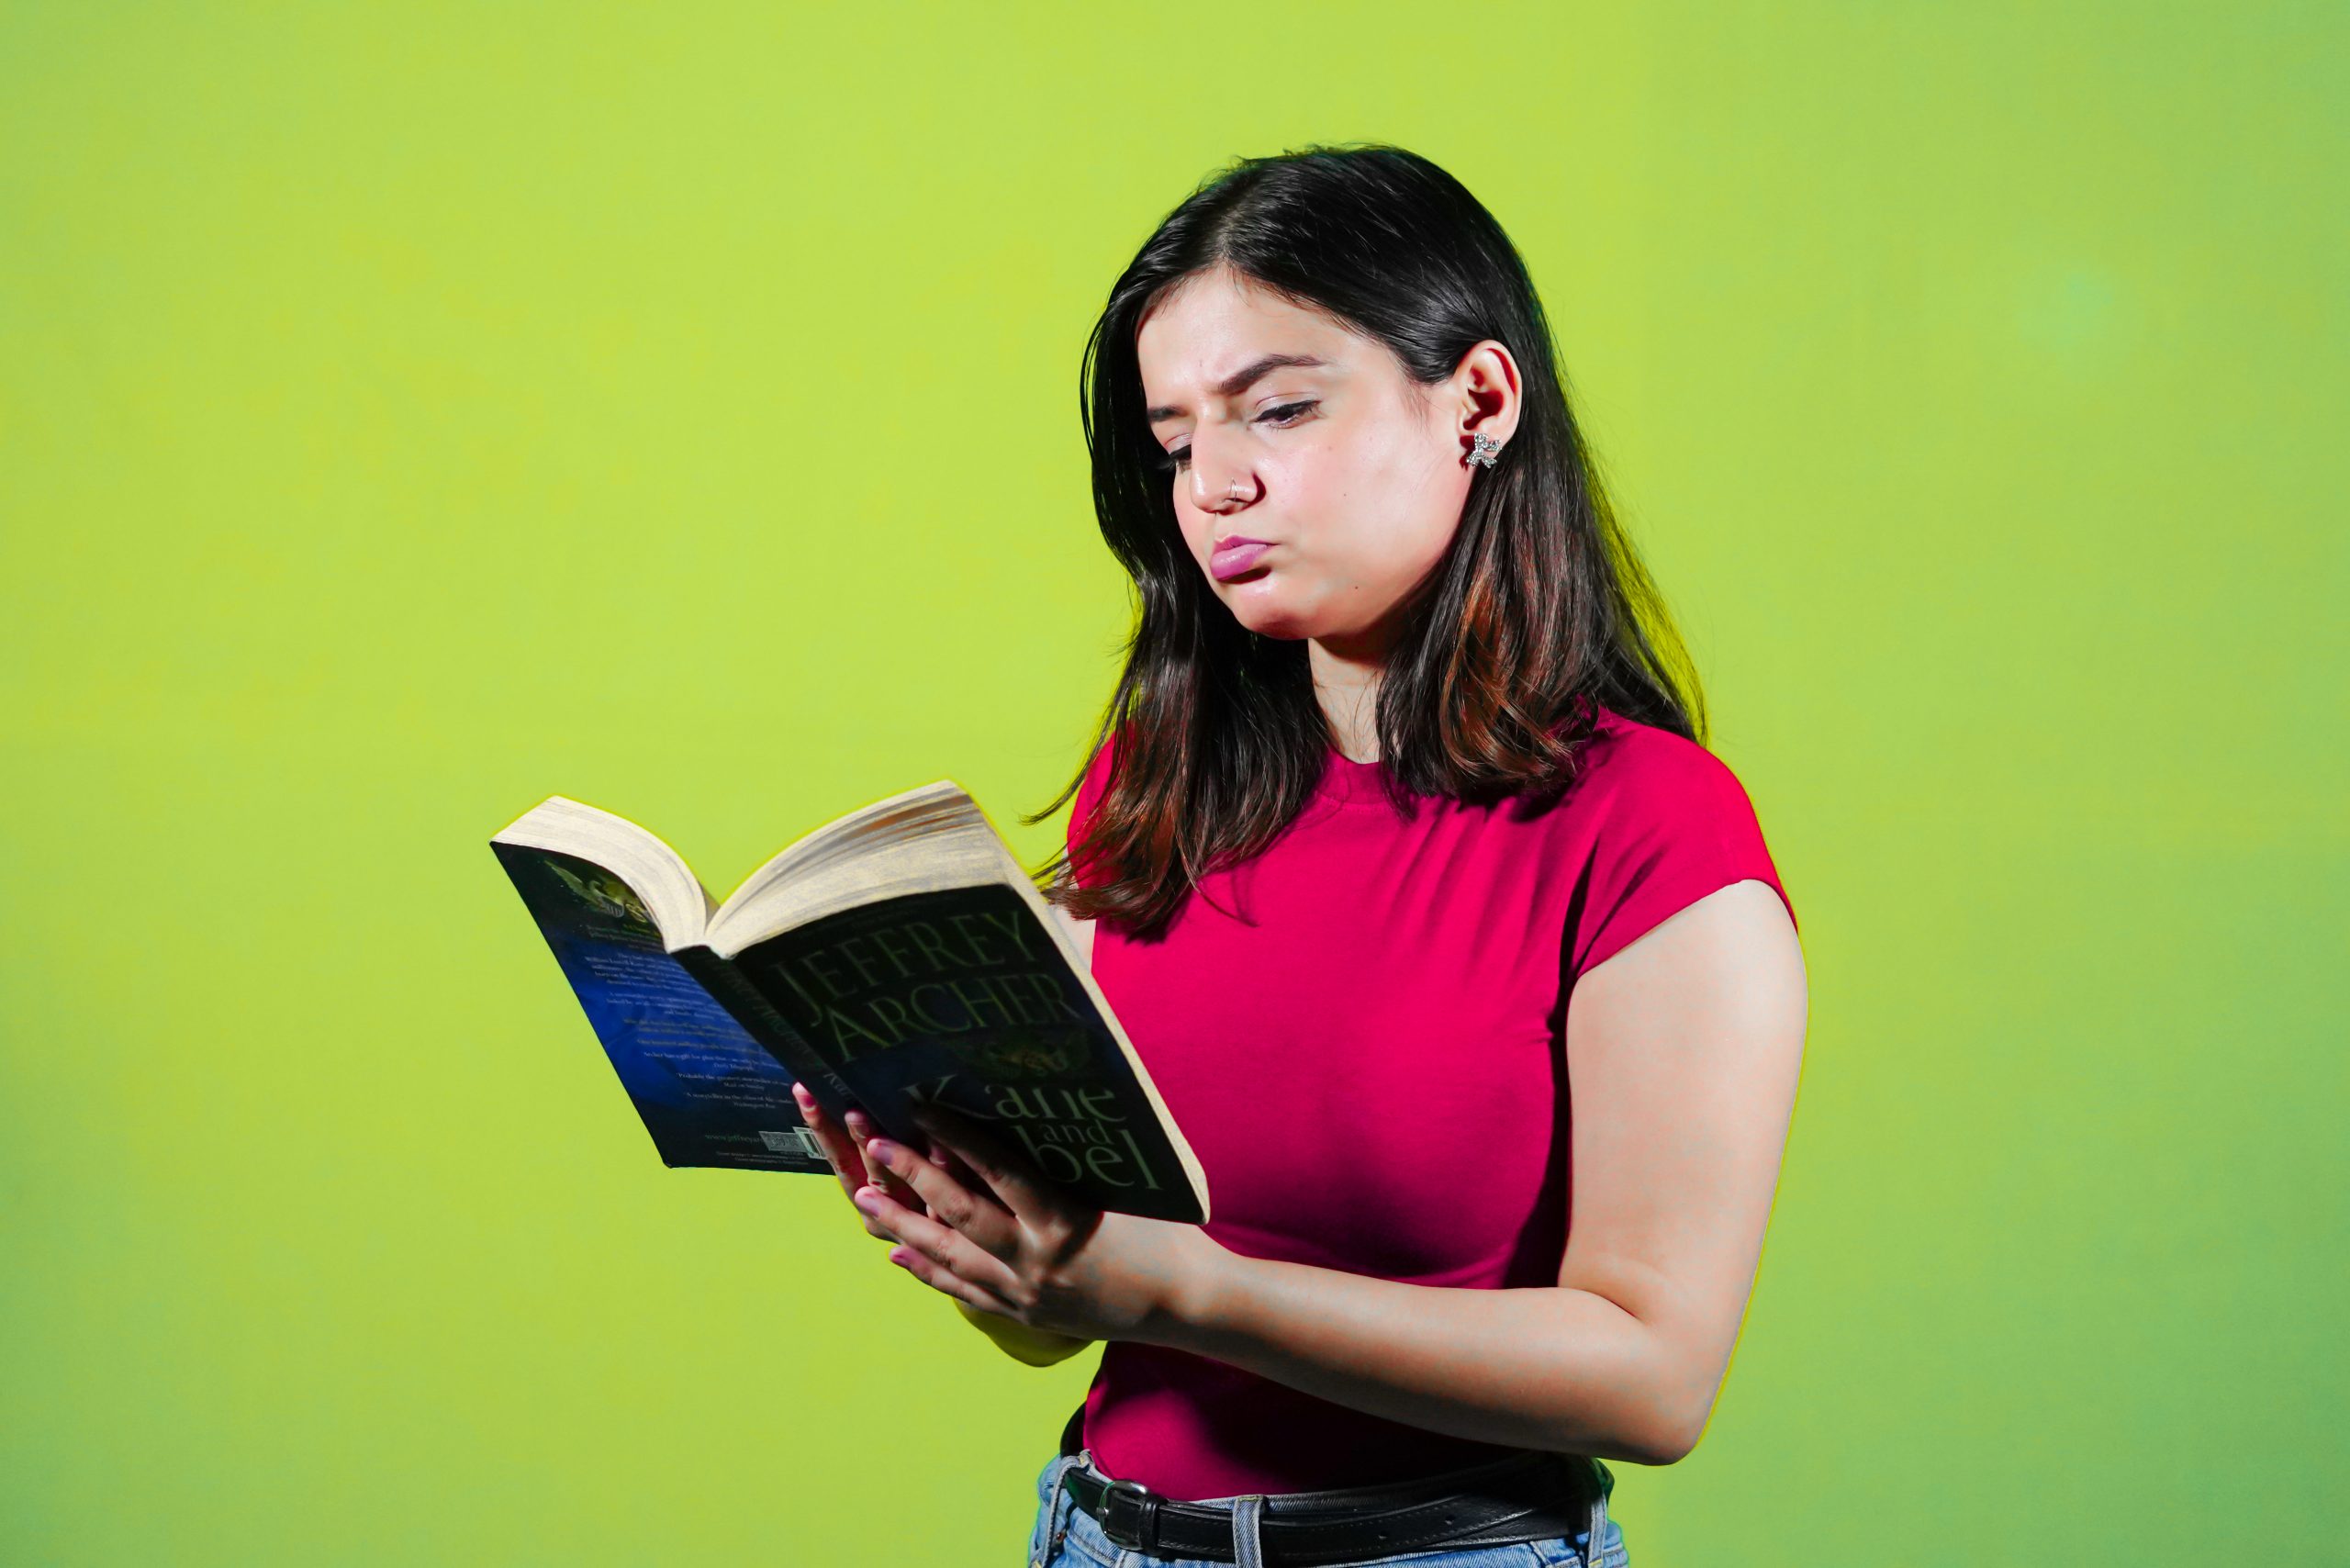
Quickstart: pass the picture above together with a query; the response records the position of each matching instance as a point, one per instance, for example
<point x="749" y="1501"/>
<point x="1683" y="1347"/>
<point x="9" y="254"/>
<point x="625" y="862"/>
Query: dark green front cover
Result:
<point x="961" y="996"/>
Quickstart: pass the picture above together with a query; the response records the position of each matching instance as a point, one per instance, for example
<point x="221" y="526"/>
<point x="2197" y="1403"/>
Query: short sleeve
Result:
<point x="1676" y="825"/>
<point x="1089" y="791"/>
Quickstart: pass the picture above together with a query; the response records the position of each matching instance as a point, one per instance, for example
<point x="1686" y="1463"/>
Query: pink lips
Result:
<point x="1236" y="557"/>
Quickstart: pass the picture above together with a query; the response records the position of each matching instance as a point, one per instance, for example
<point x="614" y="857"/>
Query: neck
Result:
<point x="1346" y="682"/>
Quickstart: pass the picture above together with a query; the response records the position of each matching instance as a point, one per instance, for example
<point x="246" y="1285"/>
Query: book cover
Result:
<point x="957" y="995"/>
<point x="708" y="1093"/>
<point x="893" y="974"/>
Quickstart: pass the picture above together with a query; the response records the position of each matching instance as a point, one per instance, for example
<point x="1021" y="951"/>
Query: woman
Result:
<point x="1395" y="767"/>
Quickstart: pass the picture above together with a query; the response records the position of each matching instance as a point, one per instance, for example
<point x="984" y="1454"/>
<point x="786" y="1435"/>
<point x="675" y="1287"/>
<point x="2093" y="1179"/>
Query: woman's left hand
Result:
<point x="1024" y="1249"/>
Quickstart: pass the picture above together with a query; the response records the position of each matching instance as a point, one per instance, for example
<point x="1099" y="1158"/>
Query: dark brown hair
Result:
<point x="1539" y="612"/>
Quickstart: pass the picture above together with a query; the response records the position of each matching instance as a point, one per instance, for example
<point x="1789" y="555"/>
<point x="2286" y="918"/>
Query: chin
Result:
<point x="1261" y="606"/>
<point x="1282" y="627"/>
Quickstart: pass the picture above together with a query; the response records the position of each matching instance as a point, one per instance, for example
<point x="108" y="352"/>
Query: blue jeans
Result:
<point x="1066" y="1536"/>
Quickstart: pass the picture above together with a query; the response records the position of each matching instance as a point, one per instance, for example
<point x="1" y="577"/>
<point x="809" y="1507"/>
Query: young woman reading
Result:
<point x="1458" y="958"/>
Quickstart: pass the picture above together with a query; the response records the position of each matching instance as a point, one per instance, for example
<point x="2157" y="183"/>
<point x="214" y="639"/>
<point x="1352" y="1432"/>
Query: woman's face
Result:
<point x="1347" y="479"/>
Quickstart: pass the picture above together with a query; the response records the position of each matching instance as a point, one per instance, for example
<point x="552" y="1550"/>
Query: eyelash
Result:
<point x="1178" y="460"/>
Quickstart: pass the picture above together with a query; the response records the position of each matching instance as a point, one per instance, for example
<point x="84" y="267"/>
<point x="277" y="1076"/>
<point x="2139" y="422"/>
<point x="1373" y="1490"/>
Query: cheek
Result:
<point x="1392" y="504"/>
<point x="1198" y="529"/>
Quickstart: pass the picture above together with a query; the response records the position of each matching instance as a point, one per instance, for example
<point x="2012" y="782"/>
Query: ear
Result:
<point x="1487" y="396"/>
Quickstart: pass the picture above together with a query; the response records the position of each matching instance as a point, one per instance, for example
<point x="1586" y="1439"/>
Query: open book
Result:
<point x="897" y="955"/>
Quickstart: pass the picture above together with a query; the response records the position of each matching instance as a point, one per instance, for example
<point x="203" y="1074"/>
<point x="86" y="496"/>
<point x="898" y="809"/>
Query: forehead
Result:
<point x="1212" y="324"/>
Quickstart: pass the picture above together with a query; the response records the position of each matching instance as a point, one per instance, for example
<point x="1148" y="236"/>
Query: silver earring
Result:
<point x="1481" y="453"/>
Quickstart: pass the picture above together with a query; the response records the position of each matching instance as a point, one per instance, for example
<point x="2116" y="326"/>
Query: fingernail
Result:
<point x="881" y="1149"/>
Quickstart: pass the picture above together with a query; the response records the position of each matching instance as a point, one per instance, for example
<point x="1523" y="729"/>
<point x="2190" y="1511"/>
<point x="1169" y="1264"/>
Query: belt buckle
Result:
<point x="1146" y="1512"/>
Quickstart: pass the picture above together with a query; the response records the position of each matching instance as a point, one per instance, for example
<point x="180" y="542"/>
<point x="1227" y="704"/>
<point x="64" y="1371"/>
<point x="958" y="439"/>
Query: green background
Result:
<point x="407" y="412"/>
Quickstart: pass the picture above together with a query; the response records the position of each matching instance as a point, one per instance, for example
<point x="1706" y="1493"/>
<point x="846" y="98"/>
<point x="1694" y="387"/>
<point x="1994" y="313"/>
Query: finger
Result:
<point x="954" y="1164"/>
<point x="959" y="1208"/>
<point x="947" y="1159"/>
<point x="938" y="1243"/>
<point x="838" y="1149"/>
<point x="940" y="1278"/>
<point x="1011" y="1176"/>
<point x="841" y="1152"/>
<point x="861" y="1128"/>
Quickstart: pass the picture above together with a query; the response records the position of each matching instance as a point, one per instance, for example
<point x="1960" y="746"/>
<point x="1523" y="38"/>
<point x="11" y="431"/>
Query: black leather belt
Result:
<point x="1532" y="1496"/>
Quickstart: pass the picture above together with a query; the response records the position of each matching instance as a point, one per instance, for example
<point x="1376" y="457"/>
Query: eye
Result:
<point x="1280" y="418"/>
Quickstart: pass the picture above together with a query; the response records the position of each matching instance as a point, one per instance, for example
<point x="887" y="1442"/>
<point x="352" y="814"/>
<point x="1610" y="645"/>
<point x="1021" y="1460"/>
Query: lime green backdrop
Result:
<point x="407" y="412"/>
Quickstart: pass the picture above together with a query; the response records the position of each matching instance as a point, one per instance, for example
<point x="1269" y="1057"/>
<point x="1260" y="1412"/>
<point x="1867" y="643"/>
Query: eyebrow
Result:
<point x="1241" y="380"/>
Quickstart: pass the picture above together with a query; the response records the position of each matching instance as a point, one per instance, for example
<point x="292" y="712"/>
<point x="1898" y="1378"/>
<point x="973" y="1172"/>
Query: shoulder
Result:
<point x="1661" y="823"/>
<point x="1096" y="781"/>
<point x="1641" y="769"/>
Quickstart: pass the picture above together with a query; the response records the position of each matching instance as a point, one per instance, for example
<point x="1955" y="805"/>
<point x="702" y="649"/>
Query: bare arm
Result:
<point x="1683" y="1051"/>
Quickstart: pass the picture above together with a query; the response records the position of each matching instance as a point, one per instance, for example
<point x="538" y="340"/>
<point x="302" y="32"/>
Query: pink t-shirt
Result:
<point x="1372" y="1074"/>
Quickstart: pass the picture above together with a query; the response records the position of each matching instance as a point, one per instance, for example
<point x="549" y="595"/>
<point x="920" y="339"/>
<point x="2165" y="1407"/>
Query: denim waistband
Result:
<point x="1247" y="1512"/>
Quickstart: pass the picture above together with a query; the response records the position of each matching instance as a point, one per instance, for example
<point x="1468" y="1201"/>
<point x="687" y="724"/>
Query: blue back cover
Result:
<point x="708" y="1093"/>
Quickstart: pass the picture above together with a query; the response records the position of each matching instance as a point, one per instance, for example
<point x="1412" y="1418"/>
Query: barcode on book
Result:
<point x="792" y="1140"/>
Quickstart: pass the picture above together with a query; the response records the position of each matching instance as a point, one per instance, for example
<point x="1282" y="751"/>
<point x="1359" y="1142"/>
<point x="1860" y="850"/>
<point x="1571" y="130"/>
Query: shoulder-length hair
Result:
<point x="1539" y="612"/>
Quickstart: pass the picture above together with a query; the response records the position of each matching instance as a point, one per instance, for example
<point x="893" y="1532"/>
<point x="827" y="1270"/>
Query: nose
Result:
<point x="1218" y="486"/>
